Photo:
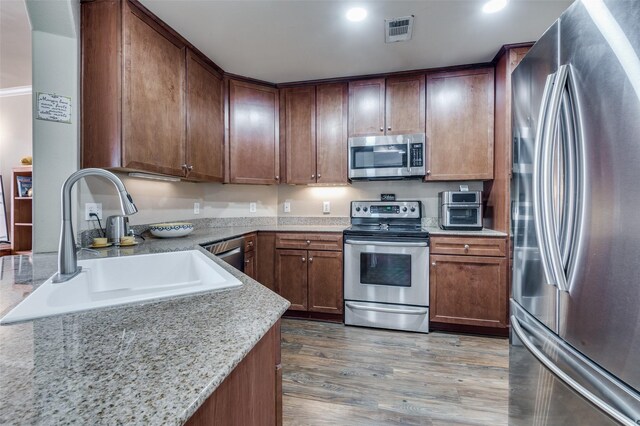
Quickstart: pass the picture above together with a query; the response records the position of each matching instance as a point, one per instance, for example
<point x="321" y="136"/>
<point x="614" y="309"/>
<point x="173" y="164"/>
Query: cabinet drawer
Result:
<point x="319" y="241"/>
<point x="250" y="242"/>
<point x="471" y="246"/>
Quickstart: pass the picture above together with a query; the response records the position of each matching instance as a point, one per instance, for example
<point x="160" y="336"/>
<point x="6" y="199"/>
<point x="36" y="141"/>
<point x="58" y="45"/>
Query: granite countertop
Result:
<point x="149" y="363"/>
<point x="485" y="232"/>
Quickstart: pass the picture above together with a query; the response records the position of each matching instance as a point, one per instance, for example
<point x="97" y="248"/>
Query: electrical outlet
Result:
<point x="287" y="207"/>
<point x="92" y="208"/>
<point x="252" y="207"/>
<point x="326" y="207"/>
<point x="196" y="208"/>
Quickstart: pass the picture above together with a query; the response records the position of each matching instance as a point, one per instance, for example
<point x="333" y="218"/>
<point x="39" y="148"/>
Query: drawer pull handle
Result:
<point x="304" y="260"/>
<point x="433" y="263"/>
<point x="308" y="242"/>
<point x="310" y="259"/>
<point x="466" y="247"/>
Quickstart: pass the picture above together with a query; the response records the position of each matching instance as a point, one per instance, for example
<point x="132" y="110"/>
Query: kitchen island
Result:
<point x="149" y="363"/>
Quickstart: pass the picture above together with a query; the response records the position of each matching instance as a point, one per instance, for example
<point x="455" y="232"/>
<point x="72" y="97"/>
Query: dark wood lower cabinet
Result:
<point x="250" y="264"/>
<point x="291" y="277"/>
<point x="468" y="291"/>
<point x="251" y="394"/>
<point x="266" y="260"/>
<point x="325" y="282"/>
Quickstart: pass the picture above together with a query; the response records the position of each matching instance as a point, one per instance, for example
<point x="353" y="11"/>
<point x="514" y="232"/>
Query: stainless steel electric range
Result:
<point x="386" y="273"/>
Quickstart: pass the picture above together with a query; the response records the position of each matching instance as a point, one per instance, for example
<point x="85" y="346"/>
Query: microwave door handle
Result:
<point x="409" y="155"/>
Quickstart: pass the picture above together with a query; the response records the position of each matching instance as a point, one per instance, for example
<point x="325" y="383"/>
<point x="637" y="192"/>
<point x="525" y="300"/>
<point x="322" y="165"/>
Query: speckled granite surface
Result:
<point x="151" y="363"/>
<point x="436" y="231"/>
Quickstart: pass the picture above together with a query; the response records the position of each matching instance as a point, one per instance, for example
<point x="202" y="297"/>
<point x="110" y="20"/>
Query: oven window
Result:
<point x="384" y="156"/>
<point x="385" y="269"/>
<point x="463" y="216"/>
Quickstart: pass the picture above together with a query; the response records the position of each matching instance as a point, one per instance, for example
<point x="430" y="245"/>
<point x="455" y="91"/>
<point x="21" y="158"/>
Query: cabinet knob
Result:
<point x="185" y="167"/>
<point x="189" y="168"/>
<point x="308" y="242"/>
<point x="277" y="177"/>
<point x="246" y="261"/>
<point x="428" y="172"/>
<point x="382" y="129"/>
<point x="310" y="259"/>
<point x="388" y="128"/>
<point x="319" y="175"/>
<point x="433" y="263"/>
<point x="304" y="259"/>
<point x="466" y="247"/>
<point x="312" y="176"/>
<point x="250" y="244"/>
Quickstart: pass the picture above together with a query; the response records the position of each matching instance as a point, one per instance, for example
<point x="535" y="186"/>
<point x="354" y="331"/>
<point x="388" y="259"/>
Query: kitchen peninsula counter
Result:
<point x="144" y="363"/>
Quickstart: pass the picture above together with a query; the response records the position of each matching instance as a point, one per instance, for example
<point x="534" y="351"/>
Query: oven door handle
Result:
<point x="387" y="243"/>
<point x="407" y="311"/>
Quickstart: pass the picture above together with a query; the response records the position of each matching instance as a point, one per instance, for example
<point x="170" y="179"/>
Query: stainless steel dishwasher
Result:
<point x="231" y="251"/>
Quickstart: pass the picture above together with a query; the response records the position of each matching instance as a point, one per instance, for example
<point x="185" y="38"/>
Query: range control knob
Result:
<point x="404" y="209"/>
<point x="413" y="209"/>
<point x="357" y="209"/>
<point x="365" y="209"/>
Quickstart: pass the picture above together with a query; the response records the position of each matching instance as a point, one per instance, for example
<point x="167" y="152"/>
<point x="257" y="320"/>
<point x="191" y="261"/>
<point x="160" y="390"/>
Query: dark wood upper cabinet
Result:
<point x="148" y="103"/>
<point x="314" y="119"/>
<point x="392" y="106"/>
<point x="153" y="109"/>
<point x="460" y="113"/>
<point x="253" y="133"/>
<point x="331" y="132"/>
<point x="405" y="105"/>
<point x="366" y="107"/>
<point x="300" y="134"/>
<point x="205" y="120"/>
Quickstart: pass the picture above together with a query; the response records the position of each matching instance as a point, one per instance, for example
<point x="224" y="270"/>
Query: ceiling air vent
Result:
<point x="398" y="29"/>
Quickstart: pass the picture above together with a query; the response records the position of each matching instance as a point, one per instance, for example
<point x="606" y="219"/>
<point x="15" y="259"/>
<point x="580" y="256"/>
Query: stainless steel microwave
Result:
<point x="387" y="157"/>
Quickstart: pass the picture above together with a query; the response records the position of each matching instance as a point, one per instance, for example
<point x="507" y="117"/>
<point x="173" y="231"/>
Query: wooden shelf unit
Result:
<point x="21" y="214"/>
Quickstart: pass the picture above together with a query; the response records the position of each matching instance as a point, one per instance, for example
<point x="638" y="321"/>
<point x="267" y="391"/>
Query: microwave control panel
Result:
<point x="415" y="155"/>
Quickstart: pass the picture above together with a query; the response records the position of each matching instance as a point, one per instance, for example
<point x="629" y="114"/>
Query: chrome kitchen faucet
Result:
<point x="67" y="258"/>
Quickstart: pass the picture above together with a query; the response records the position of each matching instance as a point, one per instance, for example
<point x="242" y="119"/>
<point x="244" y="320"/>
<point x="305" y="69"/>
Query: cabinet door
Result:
<point x="300" y="134"/>
<point x="331" y="132"/>
<point x="366" y="107"/>
<point x="291" y="277"/>
<point x="266" y="260"/>
<point x="325" y="281"/>
<point x="205" y="121"/>
<point x="250" y="264"/>
<point x="460" y="125"/>
<point x="468" y="290"/>
<point x="405" y="105"/>
<point x="253" y="133"/>
<point x="153" y="109"/>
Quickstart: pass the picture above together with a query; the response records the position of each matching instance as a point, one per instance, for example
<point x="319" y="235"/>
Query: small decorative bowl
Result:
<point x="171" y="230"/>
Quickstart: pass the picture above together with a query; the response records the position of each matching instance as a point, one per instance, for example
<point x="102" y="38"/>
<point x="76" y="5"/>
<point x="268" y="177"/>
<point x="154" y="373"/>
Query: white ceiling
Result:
<point x="15" y="44"/>
<point x="288" y="40"/>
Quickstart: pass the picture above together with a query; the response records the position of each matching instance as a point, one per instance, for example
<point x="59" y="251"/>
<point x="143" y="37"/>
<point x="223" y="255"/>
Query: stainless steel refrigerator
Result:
<point x="575" y="307"/>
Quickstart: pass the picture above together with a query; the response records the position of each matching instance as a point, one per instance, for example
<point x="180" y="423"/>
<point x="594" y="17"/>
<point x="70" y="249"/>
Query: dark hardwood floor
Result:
<point x="340" y="375"/>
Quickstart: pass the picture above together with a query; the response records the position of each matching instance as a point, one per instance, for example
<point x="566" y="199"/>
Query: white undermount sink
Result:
<point x="119" y="280"/>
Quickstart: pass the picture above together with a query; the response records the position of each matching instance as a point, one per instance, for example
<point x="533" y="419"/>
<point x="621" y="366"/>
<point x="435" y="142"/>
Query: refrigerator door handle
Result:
<point x="538" y="173"/>
<point x="621" y="404"/>
<point x="550" y="227"/>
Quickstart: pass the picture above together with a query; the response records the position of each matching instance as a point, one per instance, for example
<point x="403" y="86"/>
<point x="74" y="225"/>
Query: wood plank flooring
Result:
<point x="338" y="375"/>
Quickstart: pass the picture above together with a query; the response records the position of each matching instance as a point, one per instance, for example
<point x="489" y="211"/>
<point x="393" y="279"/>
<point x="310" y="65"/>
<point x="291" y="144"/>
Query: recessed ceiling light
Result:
<point x="356" y="14"/>
<point x="493" y="6"/>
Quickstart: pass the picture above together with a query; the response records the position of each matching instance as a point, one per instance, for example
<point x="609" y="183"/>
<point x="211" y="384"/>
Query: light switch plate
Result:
<point x="326" y="207"/>
<point x="287" y="207"/>
<point x="92" y="208"/>
<point x="252" y="207"/>
<point x="196" y="208"/>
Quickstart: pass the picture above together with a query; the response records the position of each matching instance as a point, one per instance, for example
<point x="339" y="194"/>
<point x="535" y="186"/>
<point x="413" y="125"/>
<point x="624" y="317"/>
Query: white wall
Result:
<point x="169" y="201"/>
<point x="307" y="200"/>
<point x="55" y="47"/>
<point x="15" y="138"/>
